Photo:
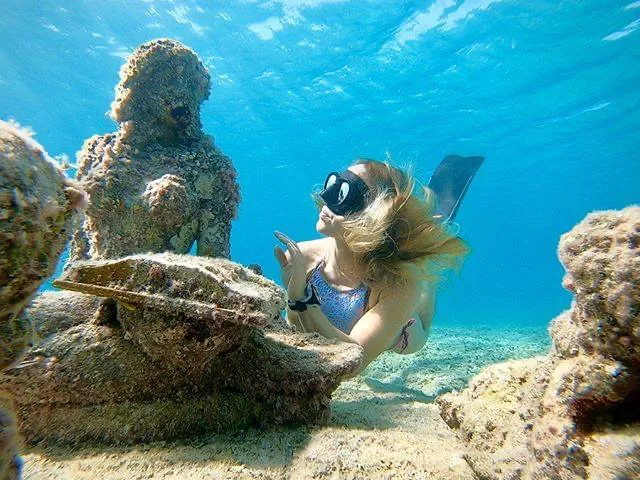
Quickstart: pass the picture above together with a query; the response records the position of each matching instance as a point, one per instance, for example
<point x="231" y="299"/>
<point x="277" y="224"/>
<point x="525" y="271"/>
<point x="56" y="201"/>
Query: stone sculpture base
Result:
<point x="102" y="377"/>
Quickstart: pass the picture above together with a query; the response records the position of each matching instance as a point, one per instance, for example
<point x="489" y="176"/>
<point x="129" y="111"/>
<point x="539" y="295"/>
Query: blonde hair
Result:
<point x="396" y="238"/>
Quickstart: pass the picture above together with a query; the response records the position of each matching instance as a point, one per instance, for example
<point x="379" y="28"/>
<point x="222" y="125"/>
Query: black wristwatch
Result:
<point x="310" y="299"/>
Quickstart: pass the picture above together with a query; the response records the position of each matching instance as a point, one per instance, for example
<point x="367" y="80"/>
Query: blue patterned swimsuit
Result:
<point x="343" y="308"/>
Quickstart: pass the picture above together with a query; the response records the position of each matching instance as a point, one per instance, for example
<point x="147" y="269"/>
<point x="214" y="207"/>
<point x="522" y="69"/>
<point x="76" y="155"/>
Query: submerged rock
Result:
<point x="572" y="414"/>
<point x="37" y="205"/>
<point x="181" y="310"/>
<point x="189" y="345"/>
<point x="159" y="183"/>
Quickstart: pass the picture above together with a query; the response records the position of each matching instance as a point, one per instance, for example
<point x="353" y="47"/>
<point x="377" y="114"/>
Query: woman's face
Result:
<point x="329" y="223"/>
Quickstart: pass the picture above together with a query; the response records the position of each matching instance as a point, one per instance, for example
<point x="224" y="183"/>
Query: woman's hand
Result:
<point x="295" y="265"/>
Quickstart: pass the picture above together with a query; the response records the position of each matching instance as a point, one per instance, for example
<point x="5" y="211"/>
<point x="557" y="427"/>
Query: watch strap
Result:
<point x="311" y="298"/>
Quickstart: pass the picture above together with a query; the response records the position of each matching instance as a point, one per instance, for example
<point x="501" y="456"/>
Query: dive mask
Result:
<point x="344" y="193"/>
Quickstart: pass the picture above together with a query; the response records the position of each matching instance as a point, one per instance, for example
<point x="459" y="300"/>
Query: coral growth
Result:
<point x="188" y="345"/>
<point x="159" y="183"/>
<point x="572" y="414"/>
<point x="37" y="204"/>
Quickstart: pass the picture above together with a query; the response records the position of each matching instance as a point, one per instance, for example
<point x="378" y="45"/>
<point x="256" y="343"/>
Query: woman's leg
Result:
<point x="412" y="337"/>
<point x="414" y="334"/>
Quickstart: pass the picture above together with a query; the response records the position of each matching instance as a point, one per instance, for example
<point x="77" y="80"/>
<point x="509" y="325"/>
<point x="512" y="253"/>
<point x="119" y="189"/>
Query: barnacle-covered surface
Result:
<point x="37" y="206"/>
<point x="163" y="345"/>
<point x="158" y="183"/>
<point x="571" y="414"/>
<point x="9" y="461"/>
<point x="173" y="304"/>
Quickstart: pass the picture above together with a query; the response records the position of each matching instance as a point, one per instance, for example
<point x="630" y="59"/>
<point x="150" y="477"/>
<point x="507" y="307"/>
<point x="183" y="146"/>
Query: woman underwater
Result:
<point x="372" y="279"/>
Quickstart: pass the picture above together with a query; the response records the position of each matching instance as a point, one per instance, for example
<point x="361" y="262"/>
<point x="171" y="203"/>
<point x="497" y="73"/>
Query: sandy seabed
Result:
<point x="384" y="425"/>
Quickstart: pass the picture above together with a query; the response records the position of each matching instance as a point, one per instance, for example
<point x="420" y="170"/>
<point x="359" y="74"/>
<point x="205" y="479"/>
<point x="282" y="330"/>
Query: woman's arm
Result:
<point x="292" y="317"/>
<point x="316" y="320"/>
<point x="383" y="322"/>
<point x="377" y="328"/>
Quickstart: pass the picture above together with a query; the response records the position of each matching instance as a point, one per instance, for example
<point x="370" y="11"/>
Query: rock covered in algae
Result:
<point x="572" y="414"/>
<point x="158" y="183"/>
<point x="9" y="459"/>
<point x="189" y="345"/>
<point x="37" y="204"/>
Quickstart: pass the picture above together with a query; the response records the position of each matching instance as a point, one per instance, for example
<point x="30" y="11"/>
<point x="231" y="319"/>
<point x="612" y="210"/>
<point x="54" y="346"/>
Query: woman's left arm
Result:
<point x="314" y="317"/>
<point x="377" y="328"/>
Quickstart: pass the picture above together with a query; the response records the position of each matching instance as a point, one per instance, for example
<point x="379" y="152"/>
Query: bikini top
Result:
<point x="343" y="308"/>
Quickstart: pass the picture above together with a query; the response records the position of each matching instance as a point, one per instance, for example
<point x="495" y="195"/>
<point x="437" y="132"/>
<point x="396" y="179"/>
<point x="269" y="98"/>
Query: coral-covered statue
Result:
<point x="574" y="413"/>
<point x="158" y="183"/>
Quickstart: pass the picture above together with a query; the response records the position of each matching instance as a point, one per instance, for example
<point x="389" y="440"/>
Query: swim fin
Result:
<point x="450" y="182"/>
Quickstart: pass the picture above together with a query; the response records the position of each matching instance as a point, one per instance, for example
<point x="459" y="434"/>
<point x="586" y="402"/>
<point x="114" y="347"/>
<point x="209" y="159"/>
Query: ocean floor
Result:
<point x="384" y="425"/>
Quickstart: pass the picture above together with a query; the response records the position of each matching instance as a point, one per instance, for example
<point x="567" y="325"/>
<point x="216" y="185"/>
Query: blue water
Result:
<point x="549" y="92"/>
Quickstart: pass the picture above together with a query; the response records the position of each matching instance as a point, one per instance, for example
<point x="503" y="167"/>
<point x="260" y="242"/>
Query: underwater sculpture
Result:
<point x="158" y="183"/>
<point x="160" y="345"/>
<point x="573" y="413"/>
<point x="186" y="345"/>
<point x="37" y="206"/>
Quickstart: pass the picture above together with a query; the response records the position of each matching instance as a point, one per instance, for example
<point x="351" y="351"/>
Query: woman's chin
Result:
<point x="323" y="228"/>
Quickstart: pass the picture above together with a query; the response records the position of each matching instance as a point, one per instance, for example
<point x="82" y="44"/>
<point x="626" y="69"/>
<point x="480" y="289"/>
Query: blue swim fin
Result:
<point x="450" y="182"/>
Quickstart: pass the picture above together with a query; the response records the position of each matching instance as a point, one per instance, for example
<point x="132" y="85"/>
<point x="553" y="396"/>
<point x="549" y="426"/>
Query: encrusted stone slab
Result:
<point x="274" y="379"/>
<point x="88" y="381"/>
<point x="211" y="289"/>
<point x="180" y="309"/>
<point x="293" y="369"/>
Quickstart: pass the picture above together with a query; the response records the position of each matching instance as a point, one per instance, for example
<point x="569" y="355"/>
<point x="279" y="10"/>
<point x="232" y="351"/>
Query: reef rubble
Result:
<point x="571" y="414"/>
<point x="37" y="209"/>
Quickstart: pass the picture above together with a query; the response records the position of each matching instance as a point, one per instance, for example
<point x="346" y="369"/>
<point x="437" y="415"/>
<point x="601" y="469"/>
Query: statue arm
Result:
<point x="214" y="234"/>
